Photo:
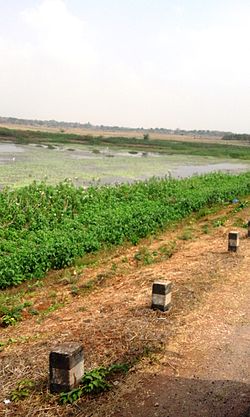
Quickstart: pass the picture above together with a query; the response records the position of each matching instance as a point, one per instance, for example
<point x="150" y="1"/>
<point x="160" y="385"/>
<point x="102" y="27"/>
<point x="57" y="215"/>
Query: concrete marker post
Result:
<point x="161" y="295"/>
<point x="66" y="367"/>
<point x="233" y="241"/>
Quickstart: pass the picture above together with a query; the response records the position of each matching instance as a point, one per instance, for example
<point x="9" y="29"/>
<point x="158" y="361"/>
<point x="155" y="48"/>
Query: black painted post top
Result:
<point x="162" y="287"/>
<point x="233" y="235"/>
<point x="66" y="356"/>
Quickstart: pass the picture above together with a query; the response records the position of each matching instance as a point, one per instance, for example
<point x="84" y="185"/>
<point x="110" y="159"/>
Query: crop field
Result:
<point x="47" y="227"/>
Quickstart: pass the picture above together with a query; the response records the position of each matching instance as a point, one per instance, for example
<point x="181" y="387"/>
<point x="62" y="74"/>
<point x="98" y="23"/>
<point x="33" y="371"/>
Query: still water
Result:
<point x="84" y="165"/>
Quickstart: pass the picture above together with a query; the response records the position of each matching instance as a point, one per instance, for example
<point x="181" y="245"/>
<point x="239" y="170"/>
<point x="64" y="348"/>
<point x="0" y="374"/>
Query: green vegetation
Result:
<point x="146" y="257"/>
<point x="150" y="144"/>
<point x="23" y="390"/>
<point x="187" y="234"/>
<point x="220" y="221"/>
<point x="11" y="308"/>
<point x="21" y="339"/>
<point x="94" y="382"/>
<point x="48" y="227"/>
<point x="13" y="315"/>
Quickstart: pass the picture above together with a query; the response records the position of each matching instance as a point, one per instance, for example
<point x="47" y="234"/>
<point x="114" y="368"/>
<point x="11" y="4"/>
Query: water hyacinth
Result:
<point x="46" y="227"/>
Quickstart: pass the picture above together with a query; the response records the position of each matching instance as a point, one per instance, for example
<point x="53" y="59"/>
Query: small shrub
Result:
<point x="240" y="206"/>
<point x="11" y="318"/>
<point x="33" y="311"/>
<point x="238" y="222"/>
<point x="186" y="235"/>
<point x="144" y="256"/>
<point x="205" y="229"/>
<point x="74" y="290"/>
<point x="13" y="315"/>
<point x="167" y="250"/>
<point x="23" y="390"/>
<point x="94" y="382"/>
<point x="219" y="222"/>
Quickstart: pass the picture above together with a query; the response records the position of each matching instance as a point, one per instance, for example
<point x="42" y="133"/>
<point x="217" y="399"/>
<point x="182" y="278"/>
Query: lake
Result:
<point x="85" y="165"/>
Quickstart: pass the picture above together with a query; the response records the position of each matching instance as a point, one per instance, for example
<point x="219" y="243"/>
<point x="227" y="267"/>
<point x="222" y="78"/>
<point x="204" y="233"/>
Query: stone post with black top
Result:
<point x="161" y="295"/>
<point x="233" y="241"/>
<point x="66" y="367"/>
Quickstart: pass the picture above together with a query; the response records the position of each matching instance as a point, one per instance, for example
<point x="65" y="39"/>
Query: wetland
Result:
<point x="84" y="165"/>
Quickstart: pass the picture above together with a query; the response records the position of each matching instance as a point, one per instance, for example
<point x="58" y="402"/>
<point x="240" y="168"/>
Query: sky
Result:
<point x="137" y="63"/>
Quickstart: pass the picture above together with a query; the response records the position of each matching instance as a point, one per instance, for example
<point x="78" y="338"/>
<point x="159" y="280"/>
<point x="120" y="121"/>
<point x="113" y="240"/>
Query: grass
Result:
<point x="144" y="256"/>
<point x="187" y="234"/>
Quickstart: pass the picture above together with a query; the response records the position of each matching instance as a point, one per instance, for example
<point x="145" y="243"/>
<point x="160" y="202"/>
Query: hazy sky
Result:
<point x="152" y="63"/>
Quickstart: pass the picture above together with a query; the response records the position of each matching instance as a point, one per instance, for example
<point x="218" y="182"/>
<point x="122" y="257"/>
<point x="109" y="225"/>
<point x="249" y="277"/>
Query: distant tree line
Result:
<point x="64" y="125"/>
<point x="237" y="136"/>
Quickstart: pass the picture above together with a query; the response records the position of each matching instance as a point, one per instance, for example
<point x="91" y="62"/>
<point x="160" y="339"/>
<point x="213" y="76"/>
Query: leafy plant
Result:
<point x="94" y="382"/>
<point x="53" y="307"/>
<point x="23" y="390"/>
<point x="205" y="229"/>
<point x="167" y="250"/>
<point x="21" y="339"/>
<point x="13" y="315"/>
<point x="219" y="222"/>
<point x="145" y="256"/>
<point x="240" y="206"/>
<point x="11" y="318"/>
<point x="71" y="396"/>
<point x="45" y="227"/>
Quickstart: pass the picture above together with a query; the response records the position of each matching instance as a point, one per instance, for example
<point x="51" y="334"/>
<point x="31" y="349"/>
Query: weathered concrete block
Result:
<point x="66" y="366"/>
<point x="233" y="241"/>
<point x="161" y="295"/>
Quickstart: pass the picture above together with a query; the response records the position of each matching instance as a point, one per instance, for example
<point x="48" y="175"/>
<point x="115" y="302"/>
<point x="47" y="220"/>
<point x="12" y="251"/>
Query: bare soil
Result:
<point x="192" y="361"/>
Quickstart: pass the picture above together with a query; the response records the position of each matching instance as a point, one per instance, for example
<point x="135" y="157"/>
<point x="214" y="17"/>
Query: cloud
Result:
<point x="57" y="32"/>
<point x="215" y="52"/>
<point x="178" y="72"/>
<point x="49" y="73"/>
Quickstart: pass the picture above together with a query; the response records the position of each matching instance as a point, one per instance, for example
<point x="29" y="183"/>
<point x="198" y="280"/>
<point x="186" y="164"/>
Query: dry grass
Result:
<point x="118" y="133"/>
<point x="106" y="307"/>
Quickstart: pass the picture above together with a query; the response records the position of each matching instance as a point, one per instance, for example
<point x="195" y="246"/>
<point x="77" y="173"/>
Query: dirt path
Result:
<point x="205" y="370"/>
<point x="195" y="359"/>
